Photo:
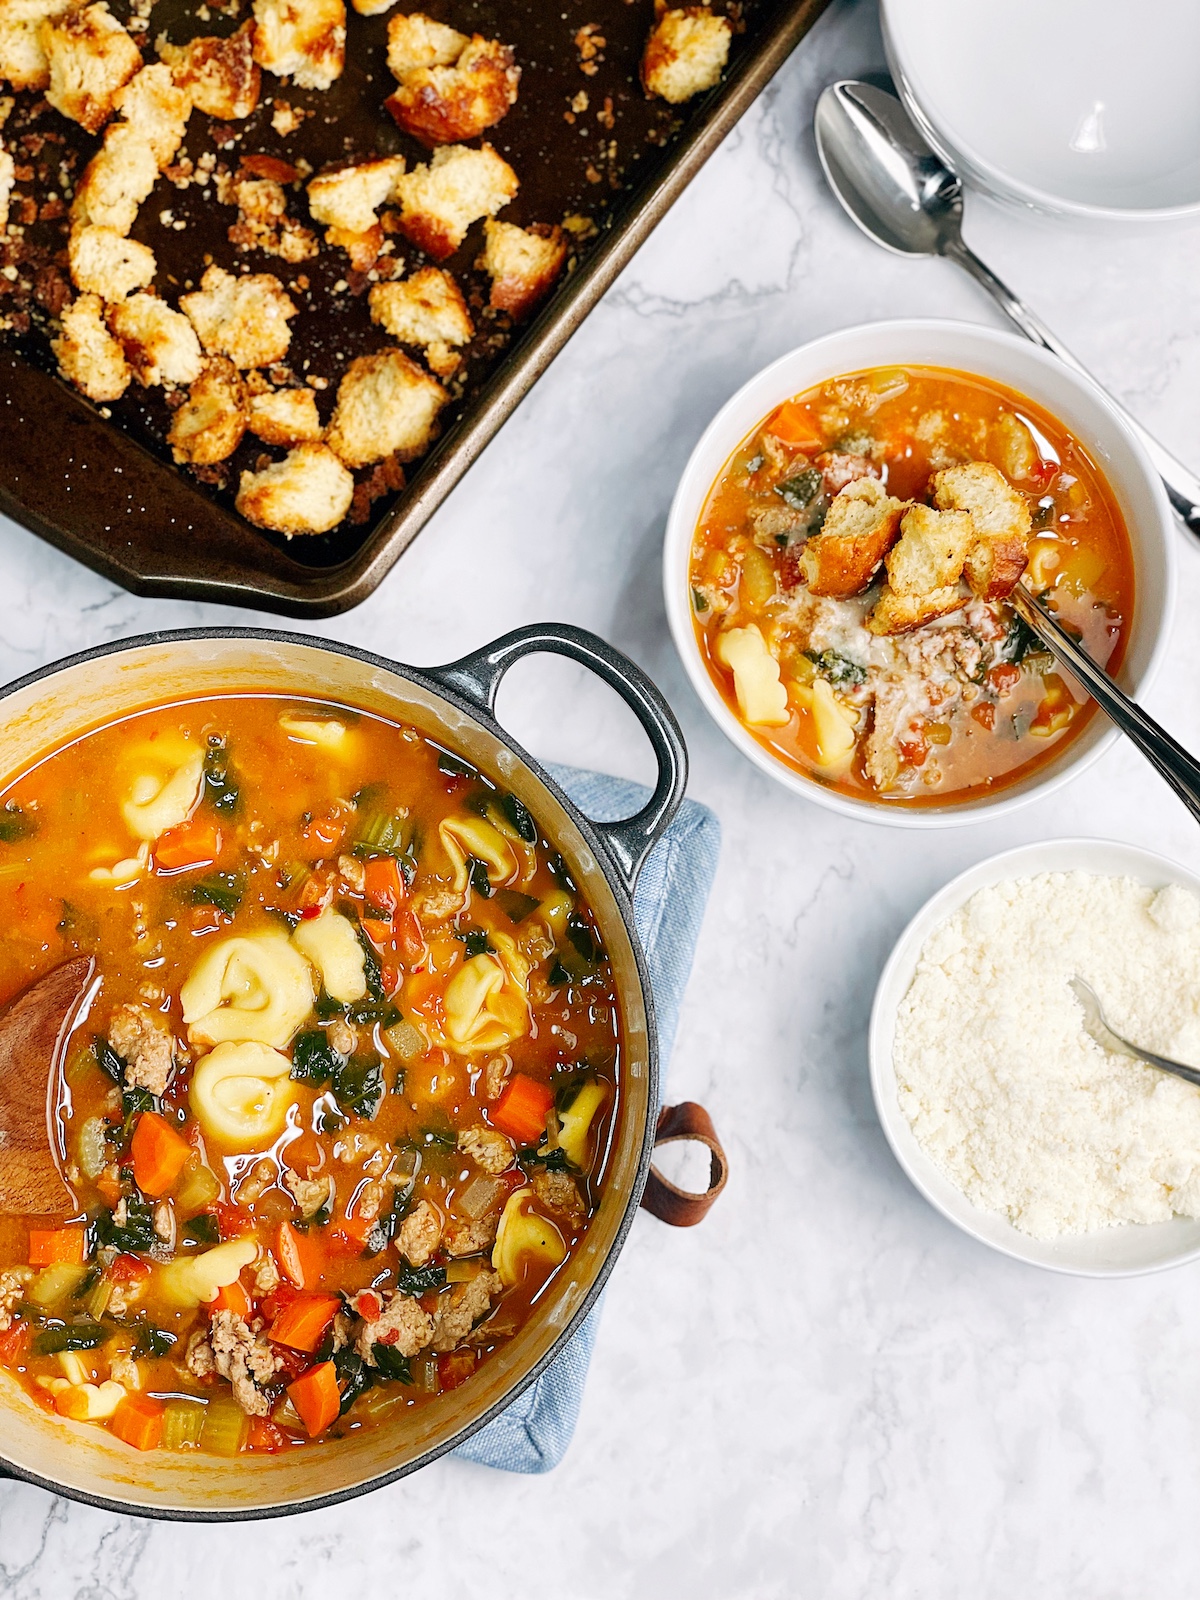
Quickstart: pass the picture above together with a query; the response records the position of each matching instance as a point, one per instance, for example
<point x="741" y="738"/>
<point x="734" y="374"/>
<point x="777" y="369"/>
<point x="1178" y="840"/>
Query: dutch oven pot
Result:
<point x="452" y="705"/>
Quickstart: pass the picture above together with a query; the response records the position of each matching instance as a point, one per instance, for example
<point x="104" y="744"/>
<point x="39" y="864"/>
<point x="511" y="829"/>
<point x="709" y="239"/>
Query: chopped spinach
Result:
<point x="358" y="1084"/>
<point x="475" y="942"/>
<point x="515" y="905"/>
<point x="221" y="889"/>
<point x="839" y="669"/>
<point x="477" y="876"/>
<point x="220" y="785"/>
<point x="553" y="1160"/>
<point x="15" y="824"/>
<point x="108" y="1060"/>
<point x="135" y="1100"/>
<point x="581" y="936"/>
<point x="560" y="872"/>
<point x="416" y="1281"/>
<point x="391" y="1363"/>
<point x="329" y="1118"/>
<point x="153" y="1341"/>
<point x="70" y="1336"/>
<point x="203" y="1229"/>
<point x="558" y="977"/>
<point x="699" y="601"/>
<point x="135" y="1233"/>
<point x="454" y="766"/>
<point x="1020" y="641"/>
<point x="314" y="1060"/>
<point x="803" y="491"/>
<point x="518" y="816"/>
<point x="353" y="1376"/>
<point x="372" y="970"/>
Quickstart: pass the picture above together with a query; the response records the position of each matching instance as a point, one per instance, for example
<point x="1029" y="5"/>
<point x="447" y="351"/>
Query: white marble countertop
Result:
<point x="825" y="1390"/>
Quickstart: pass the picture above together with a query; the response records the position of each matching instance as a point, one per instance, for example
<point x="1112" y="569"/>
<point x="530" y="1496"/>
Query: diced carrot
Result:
<point x="264" y="1435"/>
<point x="521" y="1109"/>
<point x="383" y="885"/>
<point x="14" y="1343"/>
<point x="232" y="1221"/>
<point x="232" y="1297"/>
<point x="129" y="1269"/>
<point x="315" y="1396"/>
<point x="49" y="1246"/>
<point x="379" y="933"/>
<point x="304" y="1323"/>
<point x="791" y="424"/>
<point x="324" y="832"/>
<point x="159" y="1153"/>
<point x="193" y="844"/>
<point x="455" y="1367"/>
<point x="109" y="1189"/>
<point x="390" y="978"/>
<point x="138" y="1420"/>
<point x="301" y="1257"/>
<point x="349" y="1236"/>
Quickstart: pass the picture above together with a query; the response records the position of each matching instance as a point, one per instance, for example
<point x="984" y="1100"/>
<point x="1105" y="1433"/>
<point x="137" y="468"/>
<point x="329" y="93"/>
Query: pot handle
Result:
<point x="477" y="677"/>
<point x="666" y="1200"/>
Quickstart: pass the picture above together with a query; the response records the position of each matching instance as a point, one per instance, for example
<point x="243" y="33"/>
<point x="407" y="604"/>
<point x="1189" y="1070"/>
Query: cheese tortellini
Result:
<point x="191" y="1281"/>
<point x="523" y="1232"/>
<point x="485" y="1003"/>
<point x="761" y="697"/>
<point x="331" y="944"/>
<point x="575" y="1123"/>
<point x="327" y="733"/>
<point x="834" y="724"/>
<point x="166" y="788"/>
<point x="251" y="987"/>
<point x="466" y="837"/>
<point x="241" y="1094"/>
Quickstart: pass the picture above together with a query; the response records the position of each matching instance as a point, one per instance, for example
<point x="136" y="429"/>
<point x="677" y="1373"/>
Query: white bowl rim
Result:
<point x="934" y="911"/>
<point x="677" y="543"/>
<point x="957" y="153"/>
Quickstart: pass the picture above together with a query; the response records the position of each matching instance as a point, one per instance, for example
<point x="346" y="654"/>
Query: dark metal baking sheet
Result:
<point x="104" y="488"/>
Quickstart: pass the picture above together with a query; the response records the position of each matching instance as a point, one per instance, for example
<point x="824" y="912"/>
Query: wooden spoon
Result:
<point x="32" y="1033"/>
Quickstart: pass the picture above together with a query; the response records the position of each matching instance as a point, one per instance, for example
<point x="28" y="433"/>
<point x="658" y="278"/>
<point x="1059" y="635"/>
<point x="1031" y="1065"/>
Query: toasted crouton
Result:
<point x="418" y="41"/>
<point x="8" y="176"/>
<point x="685" y="54"/>
<point x="209" y="425"/>
<point x="439" y="202"/>
<point x="900" y="613"/>
<point x="861" y="525"/>
<point x="1002" y="523"/>
<point x="427" y="309"/>
<point x="348" y="197"/>
<point x="372" y="8"/>
<point x="23" y="62"/>
<point x="159" y="110"/>
<point x="285" y="416"/>
<point x="160" y="345"/>
<point x="88" y="355"/>
<point x="523" y="264"/>
<point x="386" y="405"/>
<point x="309" y="491"/>
<point x="104" y="262"/>
<point x="304" y="40"/>
<point x="930" y="551"/>
<point x="447" y="104"/>
<point x="245" y="319"/>
<point x="263" y="222"/>
<point x="90" y="57"/>
<point x="220" y="75"/>
<point x="115" y="181"/>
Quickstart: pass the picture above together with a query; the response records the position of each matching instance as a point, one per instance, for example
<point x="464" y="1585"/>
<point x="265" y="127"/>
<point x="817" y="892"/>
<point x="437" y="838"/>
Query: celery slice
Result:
<point x="183" y="1423"/>
<point x="225" y="1427"/>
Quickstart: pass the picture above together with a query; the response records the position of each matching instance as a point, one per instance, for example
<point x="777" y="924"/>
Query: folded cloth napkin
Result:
<point x="532" y="1435"/>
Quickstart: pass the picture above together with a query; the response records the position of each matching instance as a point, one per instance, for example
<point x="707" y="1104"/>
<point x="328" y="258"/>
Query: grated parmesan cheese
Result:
<point x="1009" y="1096"/>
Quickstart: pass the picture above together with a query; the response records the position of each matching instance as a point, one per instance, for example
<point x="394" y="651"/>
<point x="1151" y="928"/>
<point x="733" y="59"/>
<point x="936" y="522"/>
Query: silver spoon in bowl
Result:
<point x="902" y="195"/>
<point x="1095" y="1025"/>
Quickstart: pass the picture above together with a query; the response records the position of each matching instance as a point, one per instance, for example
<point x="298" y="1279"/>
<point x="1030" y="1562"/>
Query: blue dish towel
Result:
<point x="532" y="1435"/>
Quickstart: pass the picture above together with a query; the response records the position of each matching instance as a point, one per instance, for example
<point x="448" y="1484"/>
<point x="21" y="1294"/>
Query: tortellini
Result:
<point x="575" y="1122"/>
<point x="485" y="1003"/>
<point x="464" y="837"/>
<point x="247" y="987"/>
<point x="761" y="697"/>
<point x="327" y="733"/>
<point x="835" y="725"/>
<point x="166" y="788"/>
<point x="522" y="1233"/>
<point x="331" y="944"/>
<point x="241" y="1094"/>
<point x="191" y="1281"/>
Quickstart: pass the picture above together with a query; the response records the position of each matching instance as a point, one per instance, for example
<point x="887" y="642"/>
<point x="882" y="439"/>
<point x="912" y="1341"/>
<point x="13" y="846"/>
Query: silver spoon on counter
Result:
<point x="902" y="195"/>
<point x="1095" y="1025"/>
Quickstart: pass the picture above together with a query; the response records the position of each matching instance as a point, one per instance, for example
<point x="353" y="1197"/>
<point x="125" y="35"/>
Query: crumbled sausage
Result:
<point x="145" y="1043"/>
<point x="461" y="1307"/>
<point x="310" y="1194"/>
<point x="487" y="1148"/>
<point x="419" y="1234"/>
<point x="12" y="1292"/>
<point x="238" y="1352"/>
<point x="401" y="1325"/>
<point x="559" y="1193"/>
<point x="469" y="1238"/>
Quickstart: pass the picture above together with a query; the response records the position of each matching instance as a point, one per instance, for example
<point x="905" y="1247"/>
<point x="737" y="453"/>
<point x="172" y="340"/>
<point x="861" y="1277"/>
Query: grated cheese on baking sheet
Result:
<point x="1009" y="1096"/>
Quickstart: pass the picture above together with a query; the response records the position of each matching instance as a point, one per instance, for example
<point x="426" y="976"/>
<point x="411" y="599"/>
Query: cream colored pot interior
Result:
<point x="88" y="1460"/>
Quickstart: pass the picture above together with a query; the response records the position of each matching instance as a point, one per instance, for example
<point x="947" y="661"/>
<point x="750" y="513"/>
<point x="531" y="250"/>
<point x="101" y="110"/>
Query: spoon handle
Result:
<point x="1171" y="760"/>
<point x="1182" y="485"/>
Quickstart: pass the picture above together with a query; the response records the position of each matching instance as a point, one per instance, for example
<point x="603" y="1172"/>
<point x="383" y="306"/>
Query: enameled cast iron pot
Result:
<point x="453" y="705"/>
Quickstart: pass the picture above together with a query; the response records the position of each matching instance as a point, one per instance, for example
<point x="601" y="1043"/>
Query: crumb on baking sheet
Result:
<point x="591" y="44"/>
<point x="263" y="222"/>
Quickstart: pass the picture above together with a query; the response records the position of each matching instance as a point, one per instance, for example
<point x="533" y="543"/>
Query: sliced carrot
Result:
<point x="232" y="1297"/>
<point x="791" y="424"/>
<point x="14" y="1343"/>
<point x="379" y="933"/>
<point x="521" y="1109"/>
<point x="315" y="1396"/>
<point x="264" y="1435"/>
<point x="349" y="1236"/>
<point x="49" y="1246"/>
<point x="138" y="1420"/>
<point x="455" y="1367"/>
<point x="301" y="1258"/>
<point x="129" y="1269"/>
<point x="304" y="1323"/>
<point x="159" y="1152"/>
<point x="193" y="844"/>
<point x="383" y="885"/>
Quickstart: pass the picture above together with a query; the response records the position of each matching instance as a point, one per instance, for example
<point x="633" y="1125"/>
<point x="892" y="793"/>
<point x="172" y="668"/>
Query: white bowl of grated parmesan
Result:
<point x="1006" y="1116"/>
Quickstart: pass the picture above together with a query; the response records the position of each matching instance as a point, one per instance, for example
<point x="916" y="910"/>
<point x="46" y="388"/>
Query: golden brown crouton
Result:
<point x="386" y="405"/>
<point x="304" y="40"/>
<point x="1002" y="523"/>
<point x="447" y="104"/>
<point x="88" y="355"/>
<point x="153" y="105"/>
<point x="372" y="8"/>
<point x="309" y="491"/>
<point x="160" y="345"/>
<point x="115" y="181"/>
<point x="860" y="527"/>
<point x="208" y="427"/>
<point x="245" y="319"/>
<point x="686" y="53"/>
<point x="104" y="262"/>
<point x="930" y="551"/>
<point x="348" y="197"/>
<point x="23" y="62"/>
<point x="285" y="416"/>
<point x="263" y="222"/>
<point x="522" y="263"/>
<point x="426" y="309"/>
<point x="418" y="41"/>
<point x="8" y="176"/>
<point x="220" y="75"/>
<point x="439" y="202"/>
<point x="90" y="57"/>
<point x="899" y="613"/>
